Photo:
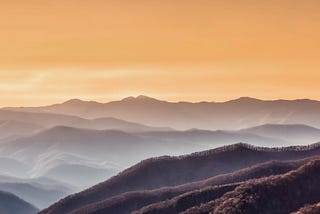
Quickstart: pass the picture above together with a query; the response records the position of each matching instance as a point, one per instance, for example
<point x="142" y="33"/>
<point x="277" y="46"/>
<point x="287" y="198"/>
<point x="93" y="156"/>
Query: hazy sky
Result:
<point x="54" y="50"/>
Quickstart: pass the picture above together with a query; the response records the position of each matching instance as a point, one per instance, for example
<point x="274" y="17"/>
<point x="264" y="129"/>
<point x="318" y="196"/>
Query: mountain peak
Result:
<point x="245" y="99"/>
<point x="79" y="102"/>
<point x="74" y="101"/>
<point x="143" y="97"/>
<point x="139" y="98"/>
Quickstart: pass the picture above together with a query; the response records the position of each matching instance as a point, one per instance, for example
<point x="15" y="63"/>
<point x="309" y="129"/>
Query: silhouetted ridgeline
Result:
<point x="234" y="147"/>
<point x="234" y="114"/>
<point x="276" y="194"/>
<point x="171" y="171"/>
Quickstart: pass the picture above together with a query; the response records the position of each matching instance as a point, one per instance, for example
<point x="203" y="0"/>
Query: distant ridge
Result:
<point x="122" y="148"/>
<point x="140" y="98"/>
<point x="295" y="133"/>
<point x="12" y="121"/>
<point x="148" y="98"/>
<point x="242" y="146"/>
<point x="239" y="113"/>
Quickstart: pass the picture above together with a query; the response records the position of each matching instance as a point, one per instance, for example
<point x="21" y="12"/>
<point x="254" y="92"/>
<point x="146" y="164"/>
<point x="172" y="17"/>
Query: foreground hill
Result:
<point x="171" y="199"/>
<point x="11" y="204"/>
<point x="276" y="194"/>
<point x="171" y="171"/>
<point x="235" y="114"/>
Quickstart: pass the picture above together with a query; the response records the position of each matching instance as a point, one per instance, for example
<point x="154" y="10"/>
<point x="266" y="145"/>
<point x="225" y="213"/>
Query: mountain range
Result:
<point x="124" y="149"/>
<point x="50" y="152"/>
<point x="25" y="123"/>
<point x="234" y="114"/>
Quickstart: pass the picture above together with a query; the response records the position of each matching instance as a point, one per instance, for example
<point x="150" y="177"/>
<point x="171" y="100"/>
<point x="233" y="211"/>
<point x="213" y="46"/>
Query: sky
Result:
<point x="193" y="50"/>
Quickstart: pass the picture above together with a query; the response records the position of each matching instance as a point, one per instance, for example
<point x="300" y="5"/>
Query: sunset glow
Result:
<point x="51" y="51"/>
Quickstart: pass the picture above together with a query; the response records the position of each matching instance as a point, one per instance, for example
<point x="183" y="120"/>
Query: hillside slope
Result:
<point x="276" y="194"/>
<point x="170" y="199"/>
<point x="171" y="171"/>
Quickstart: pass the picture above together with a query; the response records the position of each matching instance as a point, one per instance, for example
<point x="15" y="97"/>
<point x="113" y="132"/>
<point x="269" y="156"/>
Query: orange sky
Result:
<point x="51" y="51"/>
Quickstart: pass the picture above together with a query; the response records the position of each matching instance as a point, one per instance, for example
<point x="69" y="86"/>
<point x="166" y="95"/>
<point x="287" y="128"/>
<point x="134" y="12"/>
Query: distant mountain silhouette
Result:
<point x="295" y="133"/>
<point x="171" y="171"/>
<point x="11" y="204"/>
<point x="79" y="175"/>
<point x="14" y="129"/>
<point x="21" y="123"/>
<point x="235" y="114"/>
<point x="121" y="148"/>
<point x="56" y="162"/>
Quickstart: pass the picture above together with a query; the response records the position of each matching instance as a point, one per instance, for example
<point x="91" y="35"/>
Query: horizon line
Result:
<point x="146" y="97"/>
